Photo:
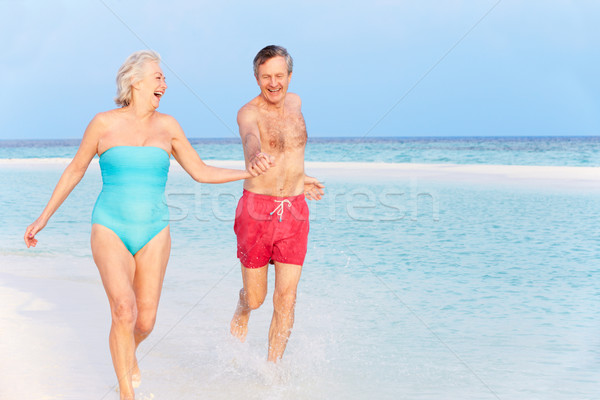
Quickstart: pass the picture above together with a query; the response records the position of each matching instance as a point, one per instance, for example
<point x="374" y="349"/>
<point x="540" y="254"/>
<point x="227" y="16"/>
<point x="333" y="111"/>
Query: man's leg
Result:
<point x="284" y="301"/>
<point x="251" y="297"/>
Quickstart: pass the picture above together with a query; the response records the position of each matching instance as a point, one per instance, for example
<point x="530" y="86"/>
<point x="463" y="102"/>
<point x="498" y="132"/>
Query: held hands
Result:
<point x="313" y="189"/>
<point x="260" y="163"/>
<point x="32" y="230"/>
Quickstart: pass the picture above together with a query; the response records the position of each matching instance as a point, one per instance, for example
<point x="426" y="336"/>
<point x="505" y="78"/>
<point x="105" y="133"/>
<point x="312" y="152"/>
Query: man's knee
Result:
<point x="255" y="299"/>
<point x="284" y="301"/>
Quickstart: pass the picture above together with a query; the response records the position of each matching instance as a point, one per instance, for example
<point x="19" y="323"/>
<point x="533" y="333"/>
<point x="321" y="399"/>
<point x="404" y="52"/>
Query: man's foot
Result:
<point x="239" y="322"/>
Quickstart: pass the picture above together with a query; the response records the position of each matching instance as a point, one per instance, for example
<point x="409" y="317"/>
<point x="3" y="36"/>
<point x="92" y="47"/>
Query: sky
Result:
<point x="362" y="68"/>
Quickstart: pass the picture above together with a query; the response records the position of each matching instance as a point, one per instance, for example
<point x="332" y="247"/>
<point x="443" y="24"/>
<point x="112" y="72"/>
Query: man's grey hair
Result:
<point x="272" y="51"/>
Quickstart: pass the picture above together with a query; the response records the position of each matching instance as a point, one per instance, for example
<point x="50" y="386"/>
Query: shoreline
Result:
<point x="536" y="175"/>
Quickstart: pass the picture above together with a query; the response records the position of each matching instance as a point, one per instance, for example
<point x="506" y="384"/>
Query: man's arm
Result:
<point x="257" y="162"/>
<point x="313" y="189"/>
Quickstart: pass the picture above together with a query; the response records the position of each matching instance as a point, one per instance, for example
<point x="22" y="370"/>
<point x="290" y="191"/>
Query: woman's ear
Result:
<point x="135" y="83"/>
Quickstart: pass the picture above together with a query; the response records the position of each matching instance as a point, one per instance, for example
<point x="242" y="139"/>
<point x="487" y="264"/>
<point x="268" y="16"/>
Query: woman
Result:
<point x="130" y="233"/>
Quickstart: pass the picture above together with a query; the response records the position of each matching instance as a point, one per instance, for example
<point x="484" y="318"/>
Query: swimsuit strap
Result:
<point x="279" y="208"/>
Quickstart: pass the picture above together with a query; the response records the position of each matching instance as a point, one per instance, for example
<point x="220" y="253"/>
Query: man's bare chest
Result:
<point x="283" y="133"/>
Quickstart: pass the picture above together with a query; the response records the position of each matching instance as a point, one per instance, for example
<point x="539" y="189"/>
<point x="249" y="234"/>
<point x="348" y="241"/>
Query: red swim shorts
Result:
<point x="271" y="229"/>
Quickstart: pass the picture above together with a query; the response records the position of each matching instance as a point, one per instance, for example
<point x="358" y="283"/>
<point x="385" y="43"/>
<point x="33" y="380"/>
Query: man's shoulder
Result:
<point x="248" y="109"/>
<point x="292" y="96"/>
<point x="248" y="113"/>
<point x="293" y="100"/>
<point x="250" y="106"/>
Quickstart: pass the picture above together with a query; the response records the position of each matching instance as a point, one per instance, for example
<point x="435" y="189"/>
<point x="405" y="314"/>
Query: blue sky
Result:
<point x="375" y="68"/>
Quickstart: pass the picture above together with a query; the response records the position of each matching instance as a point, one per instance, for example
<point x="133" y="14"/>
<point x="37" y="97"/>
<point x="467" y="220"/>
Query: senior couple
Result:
<point x="130" y="236"/>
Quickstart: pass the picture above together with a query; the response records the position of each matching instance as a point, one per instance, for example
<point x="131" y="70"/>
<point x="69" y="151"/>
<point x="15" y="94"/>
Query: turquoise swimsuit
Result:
<point x="132" y="202"/>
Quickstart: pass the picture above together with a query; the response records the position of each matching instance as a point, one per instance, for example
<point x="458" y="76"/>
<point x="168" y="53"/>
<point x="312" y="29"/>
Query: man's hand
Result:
<point x="313" y="189"/>
<point x="260" y="163"/>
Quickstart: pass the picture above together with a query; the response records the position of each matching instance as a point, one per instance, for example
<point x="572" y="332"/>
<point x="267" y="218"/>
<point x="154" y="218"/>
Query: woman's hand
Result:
<point x="32" y="230"/>
<point x="260" y="163"/>
<point x="313" y="189"/>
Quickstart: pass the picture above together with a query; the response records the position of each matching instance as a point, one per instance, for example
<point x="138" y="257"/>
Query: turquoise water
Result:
<point x="410" y="290"/>
<point x="572" y="151"/>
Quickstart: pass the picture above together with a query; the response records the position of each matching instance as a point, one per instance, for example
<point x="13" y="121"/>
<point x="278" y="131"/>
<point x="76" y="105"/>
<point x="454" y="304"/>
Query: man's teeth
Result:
<point x="158" y="94"/>
<point x="274" y="90"/>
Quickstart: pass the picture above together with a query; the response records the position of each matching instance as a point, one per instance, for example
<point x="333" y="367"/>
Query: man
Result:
<point x="272" y="216"/>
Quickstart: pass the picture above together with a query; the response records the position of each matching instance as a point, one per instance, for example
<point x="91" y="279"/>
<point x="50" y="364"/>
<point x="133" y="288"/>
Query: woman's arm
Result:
<point x="69" y="179"/>
<point x="191" y="162"/>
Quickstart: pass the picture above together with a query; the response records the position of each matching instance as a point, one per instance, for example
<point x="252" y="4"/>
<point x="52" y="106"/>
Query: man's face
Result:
<point x="273" y="79"/>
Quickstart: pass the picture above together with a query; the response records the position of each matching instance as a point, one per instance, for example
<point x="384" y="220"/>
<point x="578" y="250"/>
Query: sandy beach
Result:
<point x="52" y="329"/>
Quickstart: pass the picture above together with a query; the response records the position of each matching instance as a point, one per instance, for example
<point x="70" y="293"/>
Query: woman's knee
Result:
<point x="124" y="311"/>
<point x="145" y="322"/>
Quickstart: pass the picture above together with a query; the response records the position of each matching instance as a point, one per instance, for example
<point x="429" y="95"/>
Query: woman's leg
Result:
<point x="133" y="285"/>
<point x="151" y="264"/>
<point x="117" y="270"/>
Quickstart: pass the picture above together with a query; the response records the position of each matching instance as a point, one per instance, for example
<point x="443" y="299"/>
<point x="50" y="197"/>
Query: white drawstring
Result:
<point x="279" y="208"/>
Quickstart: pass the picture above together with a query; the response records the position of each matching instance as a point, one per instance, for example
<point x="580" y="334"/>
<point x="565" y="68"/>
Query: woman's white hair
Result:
<point x="130" y="72"/>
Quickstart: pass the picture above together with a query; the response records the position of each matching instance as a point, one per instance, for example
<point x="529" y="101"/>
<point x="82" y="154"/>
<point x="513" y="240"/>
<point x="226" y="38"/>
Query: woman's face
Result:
<point x="152" y="86"/>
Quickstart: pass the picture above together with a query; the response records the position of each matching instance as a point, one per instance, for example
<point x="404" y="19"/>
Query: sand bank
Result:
<point x="554" y="176"/>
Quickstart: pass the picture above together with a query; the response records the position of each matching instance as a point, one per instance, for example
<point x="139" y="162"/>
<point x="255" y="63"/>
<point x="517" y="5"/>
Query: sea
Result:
<point x="413" y="288"/>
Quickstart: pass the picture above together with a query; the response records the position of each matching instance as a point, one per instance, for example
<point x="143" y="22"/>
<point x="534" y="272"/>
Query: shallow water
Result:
<point x="411" y="289"/>
<point x="559" y="151"/>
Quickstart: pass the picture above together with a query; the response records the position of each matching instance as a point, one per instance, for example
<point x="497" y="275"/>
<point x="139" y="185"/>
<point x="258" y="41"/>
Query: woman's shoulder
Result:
<point x="106" y="117"/>
<point x="163" y="116"/>
<point x="166" y="119"/>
